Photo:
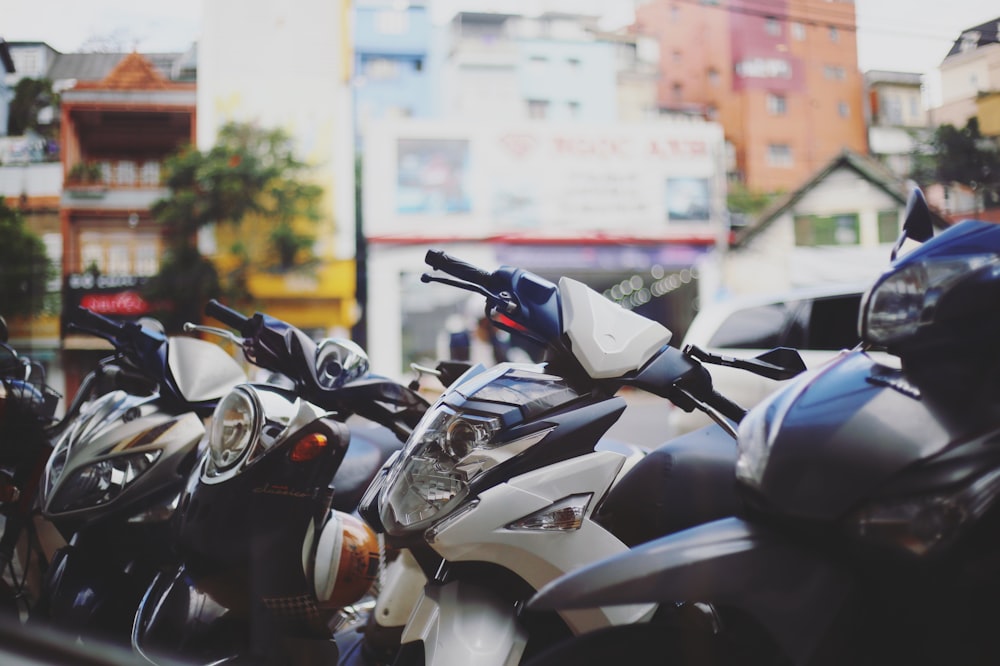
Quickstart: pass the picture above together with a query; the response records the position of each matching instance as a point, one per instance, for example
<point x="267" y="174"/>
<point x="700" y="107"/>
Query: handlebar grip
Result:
<point x="100" y="324"/>
<point x="457" y="268"/>
<point x="226" y="315"/>
<point x="726" y="407"/>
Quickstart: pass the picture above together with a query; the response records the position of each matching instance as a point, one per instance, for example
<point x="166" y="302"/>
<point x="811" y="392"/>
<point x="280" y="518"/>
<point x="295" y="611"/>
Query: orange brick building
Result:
<point x="780" y="76"/>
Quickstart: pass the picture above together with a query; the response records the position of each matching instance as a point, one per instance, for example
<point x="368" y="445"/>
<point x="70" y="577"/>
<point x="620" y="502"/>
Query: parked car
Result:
<point x="818" y="322"/>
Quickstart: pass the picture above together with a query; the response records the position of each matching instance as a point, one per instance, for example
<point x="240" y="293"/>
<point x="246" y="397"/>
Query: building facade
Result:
<point x="898" y="123"/>
<point x="781" y="77"/>
<point x="970" y="79"/>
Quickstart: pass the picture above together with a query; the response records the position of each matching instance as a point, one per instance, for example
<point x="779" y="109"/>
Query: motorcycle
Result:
<point x="27" y="417"/>
<point x="869" y="528"/>
<point x="268" y="548"/>
<point x="112" y="480"/>
<point x="506" y="483"/>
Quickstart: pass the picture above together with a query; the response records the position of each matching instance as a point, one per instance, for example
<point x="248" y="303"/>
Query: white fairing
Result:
<point x="482" y="535"/>
<point x="202" y="370"/>
<point x="608" y="340"/>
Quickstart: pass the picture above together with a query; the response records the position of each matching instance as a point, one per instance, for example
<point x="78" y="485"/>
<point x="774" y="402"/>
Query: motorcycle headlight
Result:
<point x="924" y="524"/>
<point x="451" y="447"/>
<point x="903" y="301"/>
<point x="101" y="481"/>
<point x="235" y="426"/>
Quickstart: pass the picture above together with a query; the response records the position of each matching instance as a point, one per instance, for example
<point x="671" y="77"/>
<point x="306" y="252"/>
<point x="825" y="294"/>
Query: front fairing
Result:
<point x="113" y="427"/>
<point x="268" y="499"/>
<point x="508" y="406"/>
<point x="837" y="436"/>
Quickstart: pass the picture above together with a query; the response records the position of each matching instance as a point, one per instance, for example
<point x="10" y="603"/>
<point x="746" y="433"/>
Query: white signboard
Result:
<point x="660" y="180"/>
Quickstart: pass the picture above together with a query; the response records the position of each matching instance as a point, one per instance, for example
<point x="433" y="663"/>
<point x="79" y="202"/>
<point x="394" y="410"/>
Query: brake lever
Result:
<point x="467" y="286"/>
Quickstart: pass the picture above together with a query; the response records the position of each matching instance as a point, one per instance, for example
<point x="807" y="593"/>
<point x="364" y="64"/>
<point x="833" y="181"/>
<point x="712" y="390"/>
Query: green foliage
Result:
<point x="30" y="97"/>
<point x="961" y="156"/>
<point x="186" y="282"/>
<point x="249" y="177"/>
<point x="25" y="268"/>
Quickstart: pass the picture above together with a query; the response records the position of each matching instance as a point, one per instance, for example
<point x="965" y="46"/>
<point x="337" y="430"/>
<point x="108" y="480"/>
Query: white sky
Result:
<point x="902" y="35"/>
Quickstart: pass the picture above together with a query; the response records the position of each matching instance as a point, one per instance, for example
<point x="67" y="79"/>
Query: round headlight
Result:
<point x="234" y="427"/>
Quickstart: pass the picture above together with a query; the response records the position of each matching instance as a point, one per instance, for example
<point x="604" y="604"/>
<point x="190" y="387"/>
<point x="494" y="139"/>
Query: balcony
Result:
<point x="134" y="180"/>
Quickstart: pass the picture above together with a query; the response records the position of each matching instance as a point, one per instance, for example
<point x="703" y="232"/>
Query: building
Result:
<point x="838" y="227"/>
<point x="970" y="80"/>
<point x="288" y="66"/>
<point x="897" y="121"/>
<point x="781" y="77"/>
<point x="391" y="75"/>
<point x="115" y="134"/>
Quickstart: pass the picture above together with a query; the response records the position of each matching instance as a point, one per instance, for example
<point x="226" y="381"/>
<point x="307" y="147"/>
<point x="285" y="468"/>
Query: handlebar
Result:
<point x="98" y="324"/>
<point x="462" y="270"/>
<point x="226" y="315"/>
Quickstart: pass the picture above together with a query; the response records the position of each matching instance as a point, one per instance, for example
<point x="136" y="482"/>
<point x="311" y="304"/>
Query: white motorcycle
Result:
<point x="506" y="482"/>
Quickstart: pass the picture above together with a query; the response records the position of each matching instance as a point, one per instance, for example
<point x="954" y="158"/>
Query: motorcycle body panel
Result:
<point x="482" y="533"/>
<point x="462" y="623"/>
<point x="794" y="591"/>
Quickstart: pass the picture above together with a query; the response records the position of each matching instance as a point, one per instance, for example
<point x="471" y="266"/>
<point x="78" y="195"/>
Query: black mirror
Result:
<point x="3" y="330"/>
<point x="779" y="363"/>
<point x="917" y="224"/>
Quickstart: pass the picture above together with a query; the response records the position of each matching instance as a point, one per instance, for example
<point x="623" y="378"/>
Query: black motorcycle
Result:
<point x="125" y="446"/>
<point x="269" y="550"/>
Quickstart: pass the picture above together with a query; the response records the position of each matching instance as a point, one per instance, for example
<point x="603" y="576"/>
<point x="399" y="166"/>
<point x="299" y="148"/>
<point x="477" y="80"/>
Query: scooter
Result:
<point x="869" y="529"/>
<point x="113" y="478"/>
<point x="268" y="548"/>
<point x="506" y="482"/>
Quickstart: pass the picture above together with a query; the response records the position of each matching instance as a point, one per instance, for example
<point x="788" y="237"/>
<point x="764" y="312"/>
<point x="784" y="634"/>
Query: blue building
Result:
<point x="391" y="73"/>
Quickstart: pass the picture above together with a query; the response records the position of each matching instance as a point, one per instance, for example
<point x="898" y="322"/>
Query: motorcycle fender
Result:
<point x="793" y="591"/>
<point x="401" y="586"/>
<point x="460" y="623"/>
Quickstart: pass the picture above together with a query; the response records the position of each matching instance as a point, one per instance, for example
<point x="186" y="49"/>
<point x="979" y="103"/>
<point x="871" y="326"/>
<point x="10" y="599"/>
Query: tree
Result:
<point x="25" y="268"/>
<point x="962" y="156"/>
<point x="31" y="96"/>
<point x="249" y="180"/>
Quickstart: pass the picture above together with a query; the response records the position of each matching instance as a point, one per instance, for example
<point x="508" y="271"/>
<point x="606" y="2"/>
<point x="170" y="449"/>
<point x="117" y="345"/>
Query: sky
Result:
<point x="899" y="35"/>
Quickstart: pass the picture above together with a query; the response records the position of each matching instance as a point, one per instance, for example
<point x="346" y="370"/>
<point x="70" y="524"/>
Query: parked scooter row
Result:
<point x="820" y="527"/>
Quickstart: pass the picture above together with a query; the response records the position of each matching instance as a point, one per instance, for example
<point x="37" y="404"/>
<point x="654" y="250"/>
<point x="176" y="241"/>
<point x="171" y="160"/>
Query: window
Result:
<point x="574" y="63"/>
<point x="772" y="27"/>
<point x="776" y="104"/>
<point x="834" y="73"/>
<point x="834" y="34"/>
<point x="538" y="109"/>
<point x="119" y="261"/>
<point x="817" y="230"/>
<point x="798" y="31"/>
<point x="753" y="328"/>
<point x="888" y="226"/>
<point x="392" y="22"/>
<point x="91" y="253"/>
<point x="677" y="56"/>
<point x="779" y="155"/>
<point x="149" y="174"/>
<point x="574" y="109"/>
<point x="843" y="109"/>
<point x="833" y="323"/>
<point x="147" y="257"/>
<point x="381" y="69"/>
<point x="678" y="92"/>
<point x="713" y="77"/>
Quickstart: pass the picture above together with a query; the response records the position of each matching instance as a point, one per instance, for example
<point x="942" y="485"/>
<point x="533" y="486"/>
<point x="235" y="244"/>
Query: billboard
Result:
<point x="436" y="178"/>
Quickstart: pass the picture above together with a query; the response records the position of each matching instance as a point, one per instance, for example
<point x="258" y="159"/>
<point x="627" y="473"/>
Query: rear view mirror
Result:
<point x="917" y="225"/>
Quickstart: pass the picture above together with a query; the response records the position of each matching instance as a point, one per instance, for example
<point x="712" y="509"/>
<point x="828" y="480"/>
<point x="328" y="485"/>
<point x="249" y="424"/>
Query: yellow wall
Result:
<point x="988" y="111"/>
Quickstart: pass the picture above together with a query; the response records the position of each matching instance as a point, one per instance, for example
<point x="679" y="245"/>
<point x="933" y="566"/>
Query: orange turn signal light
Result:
<point x="309" y="447"/>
